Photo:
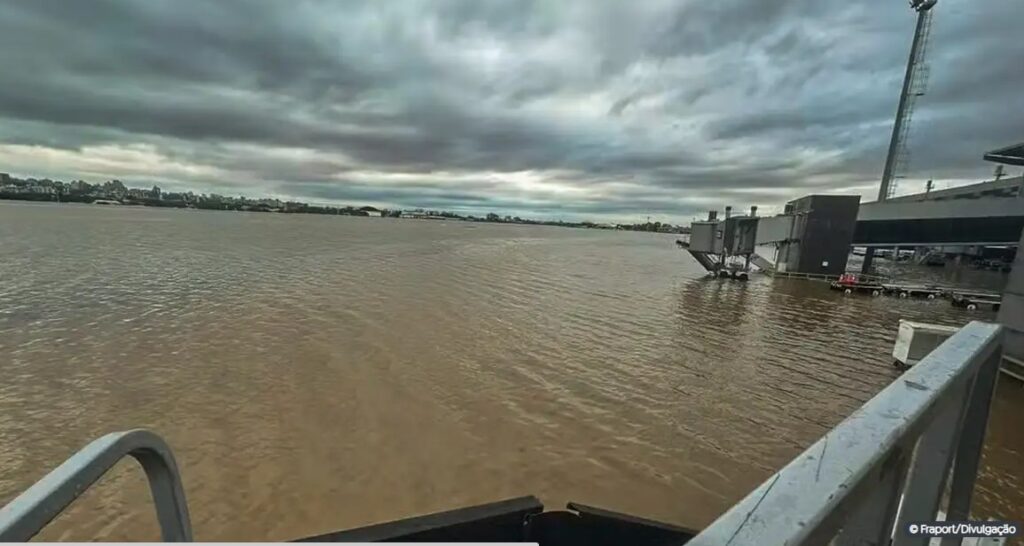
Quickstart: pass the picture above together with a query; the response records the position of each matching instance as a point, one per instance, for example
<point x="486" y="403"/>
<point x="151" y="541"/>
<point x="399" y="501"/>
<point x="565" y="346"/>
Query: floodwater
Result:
<point x="314" y="373"/>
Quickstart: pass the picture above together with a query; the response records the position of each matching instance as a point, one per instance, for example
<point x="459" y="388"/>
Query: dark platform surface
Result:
<point x="521" y="519"/>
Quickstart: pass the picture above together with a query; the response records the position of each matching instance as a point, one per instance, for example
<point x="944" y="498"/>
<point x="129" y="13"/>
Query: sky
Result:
<point x="605" y="110"/>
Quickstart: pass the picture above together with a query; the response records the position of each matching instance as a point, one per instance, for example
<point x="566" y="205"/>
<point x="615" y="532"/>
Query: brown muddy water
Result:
<point x="314" y="373"/>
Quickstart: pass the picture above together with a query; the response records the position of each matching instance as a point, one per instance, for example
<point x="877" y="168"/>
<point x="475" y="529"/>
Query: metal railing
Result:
<point x="887" y="464"/>
<point x="27" y="514"/>
<point x="878" y="279"/>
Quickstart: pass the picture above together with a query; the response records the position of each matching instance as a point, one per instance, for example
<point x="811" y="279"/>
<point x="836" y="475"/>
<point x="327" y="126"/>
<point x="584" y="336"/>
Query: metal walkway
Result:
<point x="762" y="263"/>
<point x="713" y="262"/>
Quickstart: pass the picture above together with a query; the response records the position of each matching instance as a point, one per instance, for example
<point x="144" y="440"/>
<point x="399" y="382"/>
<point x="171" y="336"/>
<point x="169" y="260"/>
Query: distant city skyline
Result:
<point x="612" y="111"/>
<point x="116" y="192"/>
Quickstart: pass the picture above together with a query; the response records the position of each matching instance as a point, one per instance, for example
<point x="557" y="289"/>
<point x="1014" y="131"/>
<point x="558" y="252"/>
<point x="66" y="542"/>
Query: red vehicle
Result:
<point x="850" y="283"/>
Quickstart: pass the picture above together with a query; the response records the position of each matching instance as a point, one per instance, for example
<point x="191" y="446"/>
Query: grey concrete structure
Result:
<point x="947" y="209"/>
<point x="978" y="214"/>
<point x="1011" y="313"/>
<point x="819" y="241"/>
<point x="1006" y="187"/>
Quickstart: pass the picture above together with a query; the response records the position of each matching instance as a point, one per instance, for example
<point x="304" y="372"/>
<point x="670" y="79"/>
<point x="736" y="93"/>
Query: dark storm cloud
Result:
<point x="616" y="108"/>
<point x="697" y="28"/>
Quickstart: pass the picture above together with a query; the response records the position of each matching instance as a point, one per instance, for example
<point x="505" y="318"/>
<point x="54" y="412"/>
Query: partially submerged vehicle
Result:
<point x="977" y="300"/>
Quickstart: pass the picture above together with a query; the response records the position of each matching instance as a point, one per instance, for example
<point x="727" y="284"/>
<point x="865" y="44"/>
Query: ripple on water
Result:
<point x="314" y="373"/>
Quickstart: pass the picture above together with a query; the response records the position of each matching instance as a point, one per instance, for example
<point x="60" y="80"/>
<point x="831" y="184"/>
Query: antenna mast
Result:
<point x="915" y="84"/>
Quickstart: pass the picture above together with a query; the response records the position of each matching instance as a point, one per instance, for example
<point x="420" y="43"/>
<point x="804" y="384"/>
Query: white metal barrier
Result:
<point x="903" y="443"/>
<point x="27" y="514"/>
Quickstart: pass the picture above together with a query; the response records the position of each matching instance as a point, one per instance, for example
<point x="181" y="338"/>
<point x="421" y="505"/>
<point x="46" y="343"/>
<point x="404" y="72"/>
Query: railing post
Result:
<point x="849" y="481"/>
<point x="930" y="468"/>
<point x="168" y="494"/>
<point x="968" y="453"/>
<point x="871" y="522"/>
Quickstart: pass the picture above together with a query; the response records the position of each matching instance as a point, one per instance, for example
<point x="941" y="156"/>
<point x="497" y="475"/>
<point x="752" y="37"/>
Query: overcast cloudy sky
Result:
<point x="552" y="108"/>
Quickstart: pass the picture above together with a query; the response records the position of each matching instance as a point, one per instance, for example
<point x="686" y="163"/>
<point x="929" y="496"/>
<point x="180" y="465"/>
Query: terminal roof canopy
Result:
<point x="1011" y="155"/>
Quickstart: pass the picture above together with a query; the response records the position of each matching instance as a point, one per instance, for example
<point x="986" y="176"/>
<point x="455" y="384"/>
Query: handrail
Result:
<point x="880" y="279"/>
<point x="901" y="444"/>
<point x="27" y="514"/>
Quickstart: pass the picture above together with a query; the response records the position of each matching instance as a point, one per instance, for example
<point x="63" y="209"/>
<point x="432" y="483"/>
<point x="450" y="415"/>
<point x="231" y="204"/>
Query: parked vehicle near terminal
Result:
<point x="973" y="301"/>
<point x="992" y="265"/>
<point x="913" y="291"/>
<point x="850" y="283"/>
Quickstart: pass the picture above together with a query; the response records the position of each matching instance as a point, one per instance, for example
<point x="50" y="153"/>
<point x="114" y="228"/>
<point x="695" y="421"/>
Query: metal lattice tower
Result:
<point x="915" y="84"/>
